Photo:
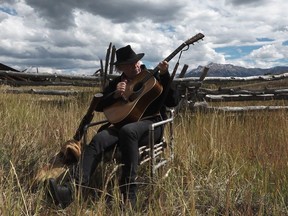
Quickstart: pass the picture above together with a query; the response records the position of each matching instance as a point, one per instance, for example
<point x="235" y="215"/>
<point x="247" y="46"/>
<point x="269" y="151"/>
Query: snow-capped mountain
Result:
<point x="228" y="70"/>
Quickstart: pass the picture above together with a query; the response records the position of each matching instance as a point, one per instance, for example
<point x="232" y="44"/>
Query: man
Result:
<point x="128" y="136"/>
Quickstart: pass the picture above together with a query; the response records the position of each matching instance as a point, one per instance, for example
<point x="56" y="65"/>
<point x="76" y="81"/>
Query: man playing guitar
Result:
<point x="128" y="135"/>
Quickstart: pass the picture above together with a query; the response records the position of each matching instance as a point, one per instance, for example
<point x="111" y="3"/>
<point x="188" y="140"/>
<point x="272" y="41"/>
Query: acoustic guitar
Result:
<point x="140" y="92"/>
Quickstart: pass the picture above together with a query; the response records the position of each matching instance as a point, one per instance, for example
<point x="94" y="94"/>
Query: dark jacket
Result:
<point x="171" y="99"/>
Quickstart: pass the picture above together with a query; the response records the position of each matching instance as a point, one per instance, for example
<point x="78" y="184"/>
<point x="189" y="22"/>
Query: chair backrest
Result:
<point x="156" y="149"/>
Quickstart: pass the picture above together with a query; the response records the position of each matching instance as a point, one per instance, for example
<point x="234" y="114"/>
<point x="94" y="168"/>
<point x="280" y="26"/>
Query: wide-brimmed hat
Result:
<point x="126" y="55"/>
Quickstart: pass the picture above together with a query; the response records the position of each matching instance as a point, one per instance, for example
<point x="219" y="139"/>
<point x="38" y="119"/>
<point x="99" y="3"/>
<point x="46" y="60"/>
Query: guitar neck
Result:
<point x="189" y="41"/>
<point x="168" y="58"/>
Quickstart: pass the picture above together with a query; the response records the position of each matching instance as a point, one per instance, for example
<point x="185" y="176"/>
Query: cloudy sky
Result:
<point x="71" y="36"/>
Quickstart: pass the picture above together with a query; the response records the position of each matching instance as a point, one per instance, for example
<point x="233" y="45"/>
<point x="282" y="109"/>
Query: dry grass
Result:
<point x="224" y="164"/>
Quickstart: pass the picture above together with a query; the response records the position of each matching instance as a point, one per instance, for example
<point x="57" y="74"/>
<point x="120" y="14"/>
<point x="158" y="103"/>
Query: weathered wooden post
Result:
<point x="106" y="66"/>
<point x="107" y="58"/>
<point x="193" y="93"/>
<point x="112" y="59"/>
<point x="183" y="71"/>
<point x="102" y="76"/>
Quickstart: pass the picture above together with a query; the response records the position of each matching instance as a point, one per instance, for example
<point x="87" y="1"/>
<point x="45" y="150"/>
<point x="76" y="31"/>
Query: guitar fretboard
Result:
<point x="168" y="58"/>
<point x="175" y="52"/>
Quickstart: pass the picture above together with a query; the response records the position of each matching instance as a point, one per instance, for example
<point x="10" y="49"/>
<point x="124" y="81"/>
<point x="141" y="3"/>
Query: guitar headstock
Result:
<point x="195" y="38"/>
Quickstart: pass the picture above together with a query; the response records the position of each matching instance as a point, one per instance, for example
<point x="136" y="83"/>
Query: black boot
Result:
<point x="131" y="199"/>
<point x="129" y="195"/>
<point x="61" y="194"/>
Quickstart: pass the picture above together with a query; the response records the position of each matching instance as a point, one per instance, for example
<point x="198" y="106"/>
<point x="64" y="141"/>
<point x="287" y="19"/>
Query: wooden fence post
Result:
<point x="112" y="59"/>
<point x="183" y="71"/>
<point x="102" y="75"/>
<point x="106" y="65"/>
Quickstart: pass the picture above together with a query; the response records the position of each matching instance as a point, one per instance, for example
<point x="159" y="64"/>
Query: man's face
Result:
<point x="131" y="70"/>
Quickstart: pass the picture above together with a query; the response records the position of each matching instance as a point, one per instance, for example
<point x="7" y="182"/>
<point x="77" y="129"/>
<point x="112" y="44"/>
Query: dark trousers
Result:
<point x="129" y="138"/>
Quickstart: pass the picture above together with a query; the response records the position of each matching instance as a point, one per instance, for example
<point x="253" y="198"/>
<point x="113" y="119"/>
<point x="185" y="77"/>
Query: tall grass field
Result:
<point x="225" y="164"/>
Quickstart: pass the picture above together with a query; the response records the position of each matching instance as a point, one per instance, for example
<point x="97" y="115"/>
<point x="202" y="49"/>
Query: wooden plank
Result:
<point x="41" y="92"/>
<point x="232" y="91"/>
<point x="48" y="76"/>
<point x="233" y="79"/>
<point x="245" y="97"/>
<point x="49" y="83"/>
<point x="204" y="107"/>
<point x="248" y="108"/>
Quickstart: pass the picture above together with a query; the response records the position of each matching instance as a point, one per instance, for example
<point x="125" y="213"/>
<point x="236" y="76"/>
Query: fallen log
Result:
<point x="41" y="92"/>
<point x="48" y="83"/>
<point x="47" y="76"/>
<point x="232" y="91"/>
<point x="233" y="79"/>
<point x="245" y="97"/>
<point x="203" y="107"/>
<point x="247" y="108"/>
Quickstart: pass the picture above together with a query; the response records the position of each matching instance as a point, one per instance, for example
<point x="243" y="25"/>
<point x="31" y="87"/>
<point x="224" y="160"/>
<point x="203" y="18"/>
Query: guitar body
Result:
<point x="139" y="95"/>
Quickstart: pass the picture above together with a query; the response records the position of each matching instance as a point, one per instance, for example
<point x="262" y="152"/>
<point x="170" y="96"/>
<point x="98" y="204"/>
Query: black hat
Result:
<point x="126" y="55"/>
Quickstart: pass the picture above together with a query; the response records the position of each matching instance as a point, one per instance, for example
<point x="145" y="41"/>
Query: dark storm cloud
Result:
<point x="8" y="1"/>
<point x="59" y="14"/>
<point x="127" y="11"/>
<point x="245" y="2"/>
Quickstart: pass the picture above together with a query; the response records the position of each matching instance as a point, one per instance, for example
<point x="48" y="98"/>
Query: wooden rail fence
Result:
<point x="190" y="87"/>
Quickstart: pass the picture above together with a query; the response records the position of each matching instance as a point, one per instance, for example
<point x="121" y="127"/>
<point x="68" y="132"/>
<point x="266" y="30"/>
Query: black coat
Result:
<point x="158" y="105"/>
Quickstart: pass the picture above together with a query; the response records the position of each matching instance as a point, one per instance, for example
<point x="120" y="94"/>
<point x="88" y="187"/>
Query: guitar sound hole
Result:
<point x="138" y="87"/>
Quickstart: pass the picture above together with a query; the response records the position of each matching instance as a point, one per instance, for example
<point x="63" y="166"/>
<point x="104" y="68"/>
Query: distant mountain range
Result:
<point x="228" y="70"/>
